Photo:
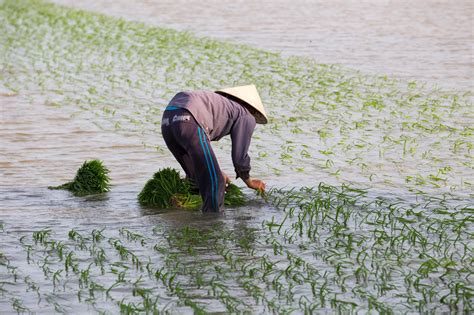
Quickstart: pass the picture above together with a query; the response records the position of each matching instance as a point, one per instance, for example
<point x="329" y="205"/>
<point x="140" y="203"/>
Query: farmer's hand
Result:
<point x="256" y="184"/>
<point x="226" y="178"/>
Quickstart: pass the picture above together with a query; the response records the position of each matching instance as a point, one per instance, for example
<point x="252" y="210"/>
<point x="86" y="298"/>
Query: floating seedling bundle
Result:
<point x="167" y="189"/>
<point x="91" y="178"/>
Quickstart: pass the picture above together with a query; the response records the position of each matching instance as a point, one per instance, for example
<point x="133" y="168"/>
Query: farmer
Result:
<point x="193" y="119"/>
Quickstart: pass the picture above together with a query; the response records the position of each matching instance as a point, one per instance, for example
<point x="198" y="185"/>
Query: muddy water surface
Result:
<point x="42" y="145"/>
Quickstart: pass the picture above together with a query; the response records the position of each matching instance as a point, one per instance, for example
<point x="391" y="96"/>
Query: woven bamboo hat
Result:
<point x="249" y="97"/>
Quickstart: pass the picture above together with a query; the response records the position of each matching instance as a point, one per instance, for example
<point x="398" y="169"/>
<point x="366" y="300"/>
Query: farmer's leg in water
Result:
<point x="209" y="176"/>
<point x="191" y="148"/>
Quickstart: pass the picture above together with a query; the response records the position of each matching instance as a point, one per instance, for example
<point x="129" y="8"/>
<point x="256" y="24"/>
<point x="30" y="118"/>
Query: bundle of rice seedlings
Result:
<point x="186" y="201"/>
<point x="91" y="178"/>
<point x="167" y="189"/>
<point x="234" y="196"/>
<point x="159" y="190"/>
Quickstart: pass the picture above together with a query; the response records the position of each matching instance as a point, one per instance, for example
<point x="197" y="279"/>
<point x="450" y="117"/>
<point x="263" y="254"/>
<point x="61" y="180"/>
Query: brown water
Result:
<point x="424" y="40"/>
<point x="41" y="145"/>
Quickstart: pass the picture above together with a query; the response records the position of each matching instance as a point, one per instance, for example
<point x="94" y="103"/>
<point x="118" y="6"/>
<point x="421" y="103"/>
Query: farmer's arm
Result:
<point x="241" y="135"/>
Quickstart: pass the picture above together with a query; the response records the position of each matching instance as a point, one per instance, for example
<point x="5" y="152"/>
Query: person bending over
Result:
<point x="193" y="119"/>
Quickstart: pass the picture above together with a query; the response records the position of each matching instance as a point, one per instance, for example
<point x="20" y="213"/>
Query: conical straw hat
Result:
<point x="248" y="94"/>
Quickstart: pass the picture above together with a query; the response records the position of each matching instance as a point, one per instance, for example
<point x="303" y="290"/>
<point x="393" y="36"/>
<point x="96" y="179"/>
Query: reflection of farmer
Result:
<point x="193" y="119"/>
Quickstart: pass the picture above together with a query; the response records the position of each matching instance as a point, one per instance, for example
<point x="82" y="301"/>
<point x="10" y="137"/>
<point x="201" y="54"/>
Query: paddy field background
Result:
<point x="368" y="155"/>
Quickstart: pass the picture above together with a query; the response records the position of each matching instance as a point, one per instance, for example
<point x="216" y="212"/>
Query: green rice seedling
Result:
<point x="29" y="250"/>
<point x="91" y="178"/>
<point x="84" y="277"/>
<point x="59" y="248"/>
<point x="122" y="250"/>
<point x="234" y="196"/>
<point x="97" y="235"/>
<point x="128" y="308"/>
<point x="69" y="262"/>
<point x="33" y="286"/>
<point x="41" y="236"/>
<point x="18" y="306"/>
<point x="74" y="235"/>
<point x="78" y="238"/>
<point x="57" y="277"/>
<point x="13" y="270"/>
<point x="132" y="236"/>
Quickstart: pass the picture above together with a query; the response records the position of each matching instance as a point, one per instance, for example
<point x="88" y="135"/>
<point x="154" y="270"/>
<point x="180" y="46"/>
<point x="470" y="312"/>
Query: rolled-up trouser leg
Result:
<point x="191" y="148"/>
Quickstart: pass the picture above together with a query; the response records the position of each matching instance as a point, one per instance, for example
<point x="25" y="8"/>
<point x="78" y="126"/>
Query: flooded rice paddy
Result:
<point x="423" y="40"/>
<point x="371" y="199"/>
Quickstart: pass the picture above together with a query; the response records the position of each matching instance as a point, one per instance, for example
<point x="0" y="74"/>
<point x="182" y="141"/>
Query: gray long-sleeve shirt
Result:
<point x="220" y="116"/>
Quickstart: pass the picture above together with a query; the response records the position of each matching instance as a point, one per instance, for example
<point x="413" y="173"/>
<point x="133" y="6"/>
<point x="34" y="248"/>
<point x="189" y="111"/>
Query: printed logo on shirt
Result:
<point x="181" y="118"/>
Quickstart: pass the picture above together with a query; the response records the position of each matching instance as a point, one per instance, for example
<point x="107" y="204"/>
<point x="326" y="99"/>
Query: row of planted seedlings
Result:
<point x="383" y="255"/>
<point x="106" y="270"/>
<point x="280" y="268"/>
<point x="330" y="248"/>
<point x="348" y="124"/>
<point x="190" y="269"/>
<point x="101" y="268"/>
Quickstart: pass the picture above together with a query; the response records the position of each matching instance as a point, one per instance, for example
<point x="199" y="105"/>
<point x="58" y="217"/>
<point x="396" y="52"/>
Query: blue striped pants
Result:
<point x="191" y="147"/>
